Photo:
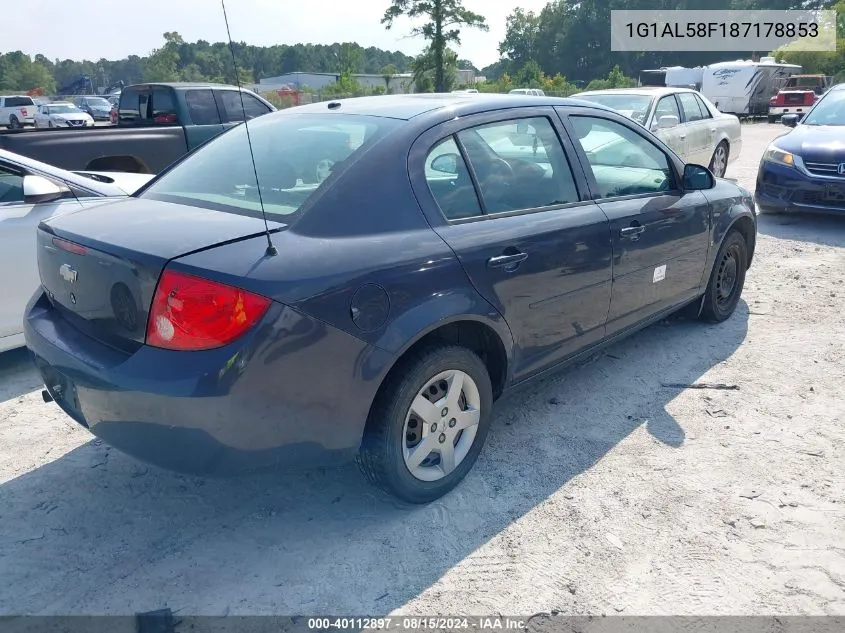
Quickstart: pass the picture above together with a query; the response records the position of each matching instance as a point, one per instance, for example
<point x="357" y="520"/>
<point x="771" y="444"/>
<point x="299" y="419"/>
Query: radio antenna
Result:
<point x="271" y="250"/>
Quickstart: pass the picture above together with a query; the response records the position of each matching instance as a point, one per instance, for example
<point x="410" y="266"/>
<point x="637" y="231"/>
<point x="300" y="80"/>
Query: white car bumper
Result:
<point x="780" y="111"/>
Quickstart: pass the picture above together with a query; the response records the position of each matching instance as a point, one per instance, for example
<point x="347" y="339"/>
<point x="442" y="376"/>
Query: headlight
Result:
<point x="776" y="155"/>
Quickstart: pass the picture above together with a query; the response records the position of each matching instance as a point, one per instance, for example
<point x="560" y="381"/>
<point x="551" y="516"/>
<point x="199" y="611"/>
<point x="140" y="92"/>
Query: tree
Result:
<point x="444" y="17"/>
<point x="162" y="63"/>
<point x="530" y="75"/>
<point x="522" y="29"/>
<point x="387" y="73"/>
<point x="424" y="68"/>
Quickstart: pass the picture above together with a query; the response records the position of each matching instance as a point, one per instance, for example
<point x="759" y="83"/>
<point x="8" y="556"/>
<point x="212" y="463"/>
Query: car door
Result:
<point x="696" y="128"/>
<point x="660" y="233"/>
<point x="674" y="137"/>
<point x="503" y="194"/>
<point x="18" y="220"/>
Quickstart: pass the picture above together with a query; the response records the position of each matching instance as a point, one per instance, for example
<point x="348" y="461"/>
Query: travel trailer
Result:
<point x="744" y="87"/>
<point x="680" y="77"/>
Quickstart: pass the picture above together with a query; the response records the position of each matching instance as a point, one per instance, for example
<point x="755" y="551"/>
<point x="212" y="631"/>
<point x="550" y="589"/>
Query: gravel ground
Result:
<point x="599" y="491"/>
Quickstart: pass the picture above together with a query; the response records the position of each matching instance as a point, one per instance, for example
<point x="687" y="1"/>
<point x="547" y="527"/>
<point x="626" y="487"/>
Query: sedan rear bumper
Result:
<point x="291" y="393"/>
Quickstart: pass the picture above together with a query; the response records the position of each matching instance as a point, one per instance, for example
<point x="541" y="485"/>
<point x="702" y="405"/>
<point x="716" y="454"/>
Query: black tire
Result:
<point x="381" y="458"/>
<point x="773" y="119"/>
<point x="14" y="124"/>
<point x="728" y="270"/>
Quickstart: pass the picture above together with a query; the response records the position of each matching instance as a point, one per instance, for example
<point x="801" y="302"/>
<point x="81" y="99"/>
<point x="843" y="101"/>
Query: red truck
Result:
<point x="798" y="95"/>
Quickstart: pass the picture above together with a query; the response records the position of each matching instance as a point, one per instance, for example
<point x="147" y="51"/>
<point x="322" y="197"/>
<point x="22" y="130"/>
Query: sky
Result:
<point x="114" y="30"/>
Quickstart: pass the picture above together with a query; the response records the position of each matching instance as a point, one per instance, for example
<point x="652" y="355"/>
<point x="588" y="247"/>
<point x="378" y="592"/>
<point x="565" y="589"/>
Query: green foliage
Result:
<point x="443" y="19"/>
<point x="177" y="60"/>
<point x="425" y="71"/>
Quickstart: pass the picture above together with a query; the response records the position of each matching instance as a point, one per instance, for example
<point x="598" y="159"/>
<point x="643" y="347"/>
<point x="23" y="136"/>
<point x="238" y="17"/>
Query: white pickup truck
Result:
<point x="17" y="111"/>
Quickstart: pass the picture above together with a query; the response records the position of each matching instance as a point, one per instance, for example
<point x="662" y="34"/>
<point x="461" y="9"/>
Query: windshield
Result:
<point x="98" y="101"/>
<point x="64" y="109"/>
<point x="294" y="156"/>
<point x="633" y="106"/>
<point x="829" y="111"/>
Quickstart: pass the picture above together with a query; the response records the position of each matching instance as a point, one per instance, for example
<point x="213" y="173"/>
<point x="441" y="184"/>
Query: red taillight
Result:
<point x="70" y="247"/>
<point x="192" y="313"/>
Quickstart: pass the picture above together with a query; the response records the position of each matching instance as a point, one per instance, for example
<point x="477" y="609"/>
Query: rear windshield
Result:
<point x="17" y="102"/>
<point x="295" y="155"/>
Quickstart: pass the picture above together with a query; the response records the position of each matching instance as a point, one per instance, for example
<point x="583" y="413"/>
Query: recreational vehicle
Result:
<point x="744" y="87"/>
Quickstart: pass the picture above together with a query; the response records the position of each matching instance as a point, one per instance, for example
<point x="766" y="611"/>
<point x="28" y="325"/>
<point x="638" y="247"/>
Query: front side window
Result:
<point x="623" y="162"/>
<point x="295" y="155"/>
<point x="519" y="164"/>
<point x="667" y="106"/>
<point x="202" y="107"/>
<point x="231" y="102"/>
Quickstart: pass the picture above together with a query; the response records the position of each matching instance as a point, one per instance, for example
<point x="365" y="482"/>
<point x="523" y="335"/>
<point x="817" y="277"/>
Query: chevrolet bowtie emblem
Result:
<point x="68" y="273"/>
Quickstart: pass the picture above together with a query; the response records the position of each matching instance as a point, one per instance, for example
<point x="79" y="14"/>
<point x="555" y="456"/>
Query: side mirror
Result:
<point x="789" y="120"/>
<point x="667" y="121"/>
<point x="446" y="164"/>
<point x="37" y="189"/>
<point x="697" y="178"/>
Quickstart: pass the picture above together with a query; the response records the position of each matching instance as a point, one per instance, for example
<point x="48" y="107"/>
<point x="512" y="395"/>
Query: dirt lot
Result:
<point x="600" y="490"/>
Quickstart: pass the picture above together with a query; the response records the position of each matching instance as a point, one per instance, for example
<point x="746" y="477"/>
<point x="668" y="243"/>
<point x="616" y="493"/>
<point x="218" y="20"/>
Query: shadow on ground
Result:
<point x="17" y="374"/>
<point x="98" y="532"/>
<point x="818" y="229"/>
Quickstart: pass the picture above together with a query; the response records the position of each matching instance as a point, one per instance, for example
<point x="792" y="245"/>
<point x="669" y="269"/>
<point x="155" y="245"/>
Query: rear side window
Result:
<point x="705" y="111"/>
<point x="230" y="101"/>
<point x="689" y="104"/>
<point x="449" y="181"/>
<point x="163" y="106"/>
<point x="201" y="107"/>
<point x="294" y="156"/>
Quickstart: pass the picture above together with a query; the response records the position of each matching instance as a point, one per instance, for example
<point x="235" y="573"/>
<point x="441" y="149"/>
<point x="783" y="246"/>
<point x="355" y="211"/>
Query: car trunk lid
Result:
<point x="100" y="266"/>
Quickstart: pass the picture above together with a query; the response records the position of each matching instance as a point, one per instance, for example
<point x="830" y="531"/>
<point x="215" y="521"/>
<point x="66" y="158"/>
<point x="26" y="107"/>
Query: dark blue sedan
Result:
<point x="387" y="269"/>
<point x="804" y="170"/>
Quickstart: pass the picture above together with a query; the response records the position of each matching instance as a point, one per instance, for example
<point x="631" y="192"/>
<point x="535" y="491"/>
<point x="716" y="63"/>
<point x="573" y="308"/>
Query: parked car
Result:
<point x="98" y="108"/>
<point x="377" y="321"/>
<point x="61" y="114"/>
<point x="682" y="118"/>
<point x="532" y="92"/>
<point x="157" y="124"/>
<point x="30" y="192"/>
<point x="798" y="95"/>
<point x="17" y="111"/>
<point x="804" y="170"/>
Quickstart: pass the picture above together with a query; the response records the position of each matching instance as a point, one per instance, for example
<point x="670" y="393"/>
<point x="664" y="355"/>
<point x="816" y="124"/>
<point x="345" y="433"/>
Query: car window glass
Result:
<point x="667" y="106"/>
<point x="164" y="109"/>
<point x="690" y="106"/>
<point x="623" y="162"/>
<point x="18" y="102"/>
<point x="234" y="111"/>
<point x="131" y="108"/>
<point x="11" y="186"/>
<point x="519" y="164"/>
<point x="294" y="157"/>
<point x="705" y="111"/>
<point x="202" y="107"/>
<point x="449" y="181"/>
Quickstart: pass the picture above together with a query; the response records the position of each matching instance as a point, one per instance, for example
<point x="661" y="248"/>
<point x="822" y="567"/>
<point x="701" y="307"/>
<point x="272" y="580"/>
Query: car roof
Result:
<point x="406" y="107"/>
<point x="642" y="90"/>
<point x="52" y="103"/>
<point x="184" y="85"/>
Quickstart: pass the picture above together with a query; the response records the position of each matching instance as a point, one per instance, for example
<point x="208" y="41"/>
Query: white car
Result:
<point x="31" y="191"/>
<point x="531" y="92"/>
<point x="680" y="117"/>
<point x="16" y="111"/>
<point x="62" y="114"/>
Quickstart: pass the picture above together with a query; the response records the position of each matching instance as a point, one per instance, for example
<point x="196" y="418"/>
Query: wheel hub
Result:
<point x="441" y="425"/>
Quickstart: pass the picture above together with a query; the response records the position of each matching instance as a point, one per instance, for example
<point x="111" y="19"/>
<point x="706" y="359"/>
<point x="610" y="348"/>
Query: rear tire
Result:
<point x="719" y="161"/>
<point x="773" y="119"/>
<point x="727" y="279"/>
<point x="14" y="124"/>
<point x="406" y="446"/>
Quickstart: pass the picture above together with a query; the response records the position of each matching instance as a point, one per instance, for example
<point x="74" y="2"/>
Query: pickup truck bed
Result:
<point x="146" y="150"/>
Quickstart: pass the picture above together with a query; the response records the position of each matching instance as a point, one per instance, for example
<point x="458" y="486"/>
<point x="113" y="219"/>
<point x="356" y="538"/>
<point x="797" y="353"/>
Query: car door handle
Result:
<point x="632" y="232"/>
<point x="683" y="136"/>
<point x="508" y="262"/>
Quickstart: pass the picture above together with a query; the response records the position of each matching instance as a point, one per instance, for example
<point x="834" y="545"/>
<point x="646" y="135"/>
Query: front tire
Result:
<point x="719" y="161"/>
<point x="428" y="424"/>
<point x="726" y="279"/>
<point x="14" y="124"/>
